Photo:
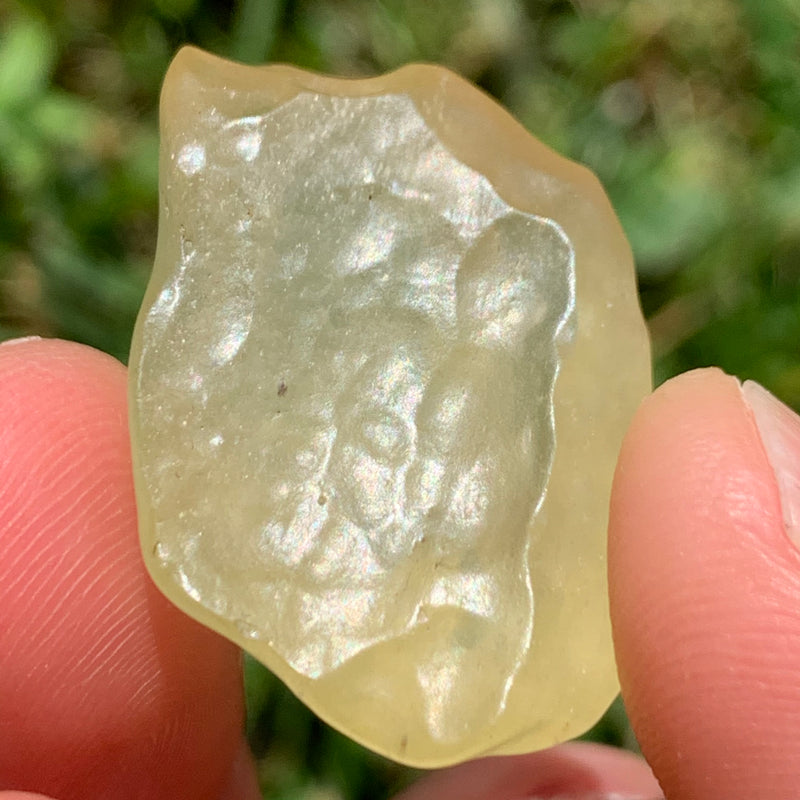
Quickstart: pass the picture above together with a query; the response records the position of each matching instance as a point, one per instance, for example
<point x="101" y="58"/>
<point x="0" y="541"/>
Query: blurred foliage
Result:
<point x="688" y="111"/>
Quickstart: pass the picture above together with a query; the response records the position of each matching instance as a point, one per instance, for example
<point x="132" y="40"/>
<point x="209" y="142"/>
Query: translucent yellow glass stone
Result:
<point x="378" y="384"/>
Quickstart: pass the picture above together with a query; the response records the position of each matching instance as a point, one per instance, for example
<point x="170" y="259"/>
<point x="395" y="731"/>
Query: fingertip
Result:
<point x="704" y="584"/>
<point x="23" y="795"/>
<point x="575" y="769"/>
<point x="242" y="782"/>
<point x="106" y="689"/>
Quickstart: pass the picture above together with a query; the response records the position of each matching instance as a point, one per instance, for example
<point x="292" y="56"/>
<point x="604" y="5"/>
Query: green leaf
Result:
<point x="258" y="684"/>
<point x="65" y="120"/>
<point x="22" y="158"/>
<point x="27" y="53"/>
<point x="175" y="9"/>
<point x="254" y="30"/>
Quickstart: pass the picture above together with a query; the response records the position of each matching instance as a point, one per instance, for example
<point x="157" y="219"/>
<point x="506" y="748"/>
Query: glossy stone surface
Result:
<point x="378" y="383"/>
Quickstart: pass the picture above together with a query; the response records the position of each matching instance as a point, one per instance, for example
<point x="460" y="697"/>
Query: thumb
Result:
<point x="705" y="584"/>
<point x="106" y="690"/>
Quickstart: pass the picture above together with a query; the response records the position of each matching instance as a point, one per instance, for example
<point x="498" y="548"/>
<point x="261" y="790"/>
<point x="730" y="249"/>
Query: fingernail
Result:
<point x="779" y="428"/>
<point x="596" y="796"/>
<point x="242" y="781"/>
<point x="20" y="340"/>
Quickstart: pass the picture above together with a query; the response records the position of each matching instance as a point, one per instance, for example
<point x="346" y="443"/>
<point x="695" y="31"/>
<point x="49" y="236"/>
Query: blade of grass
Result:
<point x="254" y="30"/>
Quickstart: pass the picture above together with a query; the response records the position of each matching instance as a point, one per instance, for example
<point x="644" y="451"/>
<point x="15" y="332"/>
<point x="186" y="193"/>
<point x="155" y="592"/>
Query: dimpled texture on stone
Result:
<point x="378" y="384"/>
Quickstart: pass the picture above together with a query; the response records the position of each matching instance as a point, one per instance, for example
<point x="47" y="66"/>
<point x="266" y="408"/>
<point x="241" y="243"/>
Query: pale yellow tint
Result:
<point x="378" y="384"/>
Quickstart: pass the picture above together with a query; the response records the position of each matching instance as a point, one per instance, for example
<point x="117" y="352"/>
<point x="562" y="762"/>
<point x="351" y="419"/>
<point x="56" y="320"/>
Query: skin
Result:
<point x="107" y="691"/>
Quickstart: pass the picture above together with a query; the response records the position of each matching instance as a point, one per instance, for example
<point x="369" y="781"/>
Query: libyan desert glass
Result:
<point x="378" y="384"/>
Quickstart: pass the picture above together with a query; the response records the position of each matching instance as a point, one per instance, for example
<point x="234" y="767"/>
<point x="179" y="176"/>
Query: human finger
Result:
<point x="106" y="690"/>
<point x="22" y="796"/>
<point x="705" y="588"/>
<point x="576" y="770"/>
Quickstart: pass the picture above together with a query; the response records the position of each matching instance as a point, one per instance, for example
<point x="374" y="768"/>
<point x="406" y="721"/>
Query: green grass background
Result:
<point x="688" y="111"/>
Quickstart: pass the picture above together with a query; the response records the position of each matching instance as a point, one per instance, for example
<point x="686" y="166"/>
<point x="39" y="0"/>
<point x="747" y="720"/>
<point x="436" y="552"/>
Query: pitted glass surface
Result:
<point x="402" y="368"/>
<point x="369" y="443"/>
